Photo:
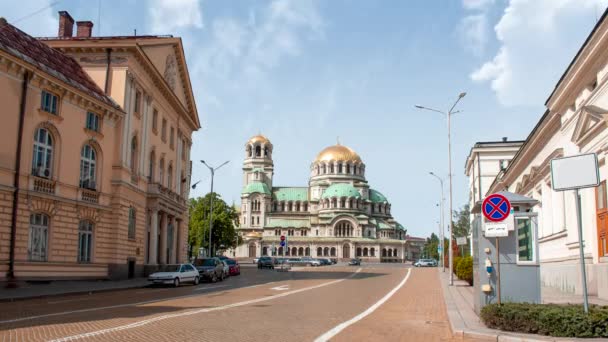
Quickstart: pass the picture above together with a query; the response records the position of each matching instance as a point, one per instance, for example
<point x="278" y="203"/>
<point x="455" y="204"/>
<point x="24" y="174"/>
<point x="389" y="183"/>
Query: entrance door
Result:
<point x="346" y="251"/>
<point x="131" y="269"/>
<point x="602" y="219"/>
<point x="252" y="250"/>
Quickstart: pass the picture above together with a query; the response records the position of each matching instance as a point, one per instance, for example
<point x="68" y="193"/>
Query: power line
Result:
<point x="36" y="12"/>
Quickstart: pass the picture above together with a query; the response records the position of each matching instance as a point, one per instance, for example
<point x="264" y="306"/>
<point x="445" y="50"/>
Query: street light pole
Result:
<point x="441" y="219"/>
<point x="449" y="114"/>
<point x="212" y="170"/>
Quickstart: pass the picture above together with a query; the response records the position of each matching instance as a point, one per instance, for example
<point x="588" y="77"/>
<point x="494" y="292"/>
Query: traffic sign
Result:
<point x="283" y="243"/>
<point x="461" y="240"/>
<point x="496" y="208"/>
<point x="282" y="237"/>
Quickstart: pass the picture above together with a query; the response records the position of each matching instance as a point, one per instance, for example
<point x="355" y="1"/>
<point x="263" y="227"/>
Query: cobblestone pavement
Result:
<point x="259" y="305"/>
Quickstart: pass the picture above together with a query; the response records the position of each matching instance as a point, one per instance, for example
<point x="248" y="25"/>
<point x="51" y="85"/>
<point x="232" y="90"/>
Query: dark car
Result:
<point x="267" y="262"/>
<point x="324" y="261"/>
<point x="354" y="262"/>
<point x="211" y="269"/>
<point x="233" y="267"/>
<point x="334" y="261"/>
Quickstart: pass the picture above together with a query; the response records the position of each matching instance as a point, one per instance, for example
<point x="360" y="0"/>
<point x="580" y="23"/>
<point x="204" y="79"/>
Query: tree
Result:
<point x="225" y="220"/>
<point x="462" y="224"/>
<point x="430" y="247"/>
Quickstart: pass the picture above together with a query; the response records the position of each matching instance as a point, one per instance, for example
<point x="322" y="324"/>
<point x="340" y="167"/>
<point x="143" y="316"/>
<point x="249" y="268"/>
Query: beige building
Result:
<point x="99" y="165"/>
<point x="338" y="215"/>
<point x="575" y="122"/>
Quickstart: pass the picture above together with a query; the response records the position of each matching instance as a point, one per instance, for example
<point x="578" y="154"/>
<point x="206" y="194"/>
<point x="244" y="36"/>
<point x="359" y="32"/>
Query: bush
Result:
<point x="464" y="269"/>
<point x="547" y="319"/>
<point x="455" y="264"/>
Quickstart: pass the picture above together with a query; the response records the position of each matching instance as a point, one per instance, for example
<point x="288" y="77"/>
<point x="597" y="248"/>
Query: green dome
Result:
<point x="400" y="226"/>
<point x="258" y="187"/>
<point x="341" y="190"/>
<point x="376" y="197"/>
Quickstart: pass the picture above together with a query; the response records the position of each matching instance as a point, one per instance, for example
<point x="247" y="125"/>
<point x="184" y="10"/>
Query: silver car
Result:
<point x="425" y="263"/>
<point x="175" y="275"/>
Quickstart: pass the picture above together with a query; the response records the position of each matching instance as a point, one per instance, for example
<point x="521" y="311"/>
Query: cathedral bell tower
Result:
<point x="258" y="169"/>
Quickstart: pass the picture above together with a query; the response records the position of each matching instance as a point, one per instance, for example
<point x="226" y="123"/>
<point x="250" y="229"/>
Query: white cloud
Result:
<point x="476" y="4"/>
<point x="473" y="31"/>
<point x="538" y="38"/>
<point x="36" y="17"/>
<point x="166" y="16"/>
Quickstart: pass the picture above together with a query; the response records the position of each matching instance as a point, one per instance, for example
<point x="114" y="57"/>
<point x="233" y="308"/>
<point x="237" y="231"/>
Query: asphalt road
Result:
<point x="338" y="303"/>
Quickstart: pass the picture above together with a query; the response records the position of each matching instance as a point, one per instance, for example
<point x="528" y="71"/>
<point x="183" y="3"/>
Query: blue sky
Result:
<point x="304" y="72"/>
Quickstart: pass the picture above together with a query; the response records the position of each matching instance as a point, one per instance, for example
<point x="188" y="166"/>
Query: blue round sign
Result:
<point x="496" y="207"/>
<point x="283" y="243"/>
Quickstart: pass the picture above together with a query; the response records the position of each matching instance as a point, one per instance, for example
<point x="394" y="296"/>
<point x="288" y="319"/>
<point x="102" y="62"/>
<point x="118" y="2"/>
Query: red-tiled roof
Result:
<point x="107" y="37"/>
<point x="51" y="61"/>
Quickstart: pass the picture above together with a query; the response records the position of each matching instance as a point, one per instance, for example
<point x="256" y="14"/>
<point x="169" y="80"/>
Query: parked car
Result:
<point x="267" y="262"/>
<point x="354" y="262"/>
<point x="334" y="261"/>
<point x="255" y="260"/>
<point x="233" y="267"/>
<point x="211" y="269"/>
<point x="226" y="272"/>
<point x="324" y="261"/>
<point x="175" y="274"/>
<point x="425" y="263"/>
<point x="310" y="261"/>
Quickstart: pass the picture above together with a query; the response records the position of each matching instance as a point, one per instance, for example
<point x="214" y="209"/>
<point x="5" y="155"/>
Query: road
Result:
<point x="338" y="303"/>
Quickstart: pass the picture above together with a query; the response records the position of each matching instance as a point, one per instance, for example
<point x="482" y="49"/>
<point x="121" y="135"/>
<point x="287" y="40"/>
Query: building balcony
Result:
<point x="159" y="190"/>
<point x="44" y="185"/>
<point x="87" y="195"/>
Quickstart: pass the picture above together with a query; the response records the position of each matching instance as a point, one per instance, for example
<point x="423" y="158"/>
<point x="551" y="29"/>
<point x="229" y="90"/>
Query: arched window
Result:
<point x="42" y="159"/>
<point x="151" y="166"/>
<point x="358" y="251"/>
<point x="258" y="151"/>
<point x="307" y="251"/>
<point x="319" y="251"/>
<point x="326" y="251"/>
<point x="355" y="169"/>
<point x="134" y="155"/>
<point x="161" y="171"/>
<point x="39" y="232"/>
<point x="301" y="251"/>
<point x="88" y="162"/>
<point x="365" y="251"/>
<point x="333" y="251"/>
<point x="324" y="169"/>
<point x="170" y="177"/>
<point x="331" y="168"/>
<point x="85" y="241"/>
<point x="340" y="168"/>
<point x="249" y="151"/>
<point x="372" y="252"/>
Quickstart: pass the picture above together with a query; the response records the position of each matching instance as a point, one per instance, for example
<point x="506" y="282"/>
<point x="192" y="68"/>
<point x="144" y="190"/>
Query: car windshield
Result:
<point x="231" y="262"/>
<point x="169" y="268"/>
<point x="204" y="262"/>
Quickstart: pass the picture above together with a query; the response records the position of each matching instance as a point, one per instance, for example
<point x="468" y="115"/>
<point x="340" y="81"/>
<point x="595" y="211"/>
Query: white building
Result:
<point x="574" y="123"/>
<point x="337" y="215"/>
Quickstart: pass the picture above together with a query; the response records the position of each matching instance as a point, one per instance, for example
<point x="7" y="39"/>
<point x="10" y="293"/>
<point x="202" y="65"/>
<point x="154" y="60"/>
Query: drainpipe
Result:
<point x="11" y="265"/>
<point x="109" y="60"/>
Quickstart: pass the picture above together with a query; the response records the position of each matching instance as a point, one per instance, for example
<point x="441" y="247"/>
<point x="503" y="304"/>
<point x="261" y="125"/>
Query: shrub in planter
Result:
<point x="548" y="319"/>
<point x="464" y="270"/>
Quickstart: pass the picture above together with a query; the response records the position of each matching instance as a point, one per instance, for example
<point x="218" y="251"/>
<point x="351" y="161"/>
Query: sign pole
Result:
<point x="498" y="269"/>
<point x="581" y="250"/>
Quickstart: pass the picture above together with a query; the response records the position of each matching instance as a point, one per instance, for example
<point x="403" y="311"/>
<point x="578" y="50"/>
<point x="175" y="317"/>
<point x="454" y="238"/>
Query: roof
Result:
<point x="25" y="47"/>
<point x="329" y="239"/>
<point x="256" y="187"/>
<point x="288" y="223"/>
<point x="400" y="226"/>
<point x="338" y="153"/>
<point x="376" y="197"/>
<point x="341" y="190"/>
<point x="290" y="193"/>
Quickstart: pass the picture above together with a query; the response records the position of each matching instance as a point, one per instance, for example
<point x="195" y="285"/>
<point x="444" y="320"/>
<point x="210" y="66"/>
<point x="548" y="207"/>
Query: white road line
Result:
<point x="281" y="288"/>
<point x="338" y="328"/>
<point x="194" y="312"/>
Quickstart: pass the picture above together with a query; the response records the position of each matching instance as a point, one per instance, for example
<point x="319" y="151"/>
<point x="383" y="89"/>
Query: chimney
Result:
<point x="504" y="139"/>
<point x="84" y="29"/>
<point x="66" y="25"/>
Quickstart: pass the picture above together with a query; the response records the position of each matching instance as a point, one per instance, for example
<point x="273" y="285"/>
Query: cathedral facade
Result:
<point x="338" y="215"/>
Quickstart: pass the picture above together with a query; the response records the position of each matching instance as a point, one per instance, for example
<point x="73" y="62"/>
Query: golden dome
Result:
<point x="338" y="153"/>
<point x="258" y="139"/>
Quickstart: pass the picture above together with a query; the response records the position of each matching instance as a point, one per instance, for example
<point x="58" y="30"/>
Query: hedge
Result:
<point x="463" y="268"/>
<point x="547" y="319"/>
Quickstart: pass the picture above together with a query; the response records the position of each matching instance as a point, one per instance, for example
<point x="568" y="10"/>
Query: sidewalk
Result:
<point x="27" y="290"/>
<point x="465" y="323"/>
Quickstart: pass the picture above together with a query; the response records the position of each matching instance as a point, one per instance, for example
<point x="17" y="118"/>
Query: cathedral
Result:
<point x="338" y="215"/>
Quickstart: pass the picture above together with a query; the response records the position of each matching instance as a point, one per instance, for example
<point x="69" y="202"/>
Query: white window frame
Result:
<point x="85" y="231"/>
<point x="132" y="221"/>
<point x="43" y="150"/>
<point x="49" y="102"/>
<point x="39" y="227"/>
<point x="92" y="122"/>
<point x="534" y="260"/>
<point x="88" y="165"/>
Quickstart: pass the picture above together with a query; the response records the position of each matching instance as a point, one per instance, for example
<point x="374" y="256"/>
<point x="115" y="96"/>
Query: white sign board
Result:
<point x="496" y="229"/>
<point x="575" y="172"/>
<point x="461" y="240"/>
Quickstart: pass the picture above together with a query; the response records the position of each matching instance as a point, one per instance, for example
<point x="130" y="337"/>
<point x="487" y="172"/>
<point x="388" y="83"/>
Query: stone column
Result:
<point x="153" y="245"/>
<point x="163" y="238"/>
<point x="179" y="246"/>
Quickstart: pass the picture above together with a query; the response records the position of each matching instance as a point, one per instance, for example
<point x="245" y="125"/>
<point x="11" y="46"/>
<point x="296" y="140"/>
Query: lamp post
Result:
<point x="212" y="170"/>
<point x="449" y="114"/>
<point x="441" y="200"/>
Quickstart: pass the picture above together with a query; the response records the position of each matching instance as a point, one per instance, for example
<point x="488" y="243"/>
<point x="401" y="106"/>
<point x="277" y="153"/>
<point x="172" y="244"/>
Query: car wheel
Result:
<point x="176" y="282"/>
<point x="214" y="278"/>
<point x="196" y="280"/>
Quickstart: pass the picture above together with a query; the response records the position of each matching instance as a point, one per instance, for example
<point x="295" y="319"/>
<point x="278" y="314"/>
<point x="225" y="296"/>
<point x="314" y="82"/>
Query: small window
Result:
<point x="85" y="241"/>
<point x="601" y="196"/>
<point x="155" y="120"/>
<point x="49" y="102"/>
<point x="92" y="122"/>
<point x="525" y="240"/>
<point x="137" y="101"/>
<point x="172" y="138"/>
<point x="131" y="223"/>
<point x="163" y="130"/>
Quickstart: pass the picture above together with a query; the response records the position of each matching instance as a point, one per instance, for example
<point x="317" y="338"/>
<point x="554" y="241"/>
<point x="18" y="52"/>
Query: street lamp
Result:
<point x="449" y="114"/>
<point x="212" y="170"/>
<point x="441" y="200"/>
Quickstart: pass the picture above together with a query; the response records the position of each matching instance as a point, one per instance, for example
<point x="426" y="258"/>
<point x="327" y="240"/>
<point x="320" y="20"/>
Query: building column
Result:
<point x="153" y="244"/>
<point x="163" y="238"/>
<point x="174" y="240"/>
<point x="179" y="253"/>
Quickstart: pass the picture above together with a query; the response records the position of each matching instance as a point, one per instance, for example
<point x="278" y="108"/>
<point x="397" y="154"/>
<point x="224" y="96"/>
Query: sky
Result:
<point x="305" y="72"/>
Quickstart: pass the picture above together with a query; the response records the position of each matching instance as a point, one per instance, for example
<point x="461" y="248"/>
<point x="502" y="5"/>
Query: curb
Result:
<point x="75" y="293"/>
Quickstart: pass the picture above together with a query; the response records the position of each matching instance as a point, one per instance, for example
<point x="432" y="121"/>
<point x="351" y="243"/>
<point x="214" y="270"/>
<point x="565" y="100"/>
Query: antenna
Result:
<point x="135" y="32"/>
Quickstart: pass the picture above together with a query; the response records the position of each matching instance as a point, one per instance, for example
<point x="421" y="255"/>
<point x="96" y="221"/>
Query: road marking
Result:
<point x="198" y="311"/>
<point x="281" y="288"/>
<point x="209" y="287"/>
<point x="338" y="328"/>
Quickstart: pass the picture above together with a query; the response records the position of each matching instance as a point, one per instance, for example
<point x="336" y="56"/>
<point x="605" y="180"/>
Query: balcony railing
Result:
<point x="155" y="188"/>
<point x="87" y="195"/>
<point x="44" y="185"/>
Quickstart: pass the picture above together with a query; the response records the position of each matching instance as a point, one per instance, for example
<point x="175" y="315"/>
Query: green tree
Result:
<point x="225" y="220"/>
<point x="462" y="226"/>
<point x="430" y="247"/>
